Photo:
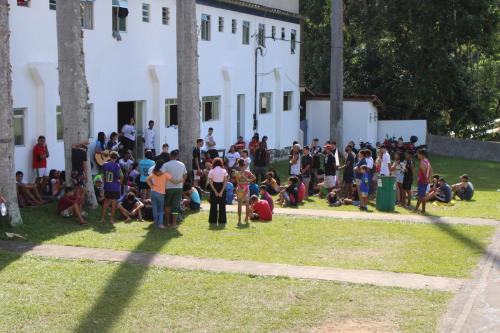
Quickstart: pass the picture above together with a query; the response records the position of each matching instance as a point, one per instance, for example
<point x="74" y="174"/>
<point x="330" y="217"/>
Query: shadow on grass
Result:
<point x="123" y="284"/>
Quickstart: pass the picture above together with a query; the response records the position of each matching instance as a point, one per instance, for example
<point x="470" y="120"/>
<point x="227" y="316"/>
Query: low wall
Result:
<point x="472" y="149"/>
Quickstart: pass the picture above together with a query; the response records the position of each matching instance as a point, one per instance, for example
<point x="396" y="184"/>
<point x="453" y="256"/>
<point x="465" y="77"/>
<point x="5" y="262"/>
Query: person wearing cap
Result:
<point x="464" y="190"/>
<point x="330" y="167"/>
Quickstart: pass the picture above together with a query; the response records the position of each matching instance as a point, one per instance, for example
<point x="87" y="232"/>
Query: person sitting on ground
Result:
<point x="130" y="207"/>
<point x="28" y="193"/>
<point x="99" y="189"/>
<point x="443" y="193"/>
<point x="353" y="199"/>
<point x="301" y="188"/>
<point x="69" y="205"/>
<point x="464" y="190"/>
<point x="364" y="187"/>
<point x="54" y="183"/>
<point x="271" y="184"/>
<point x="275" y="175"/>
<point x="191" y="198"/>
<point x="289" y="195"/>
<point x="260" y="210"/>
<point x="333" y="198"/>
<point x="264" y="195"/>
<point x="433" y="188"/>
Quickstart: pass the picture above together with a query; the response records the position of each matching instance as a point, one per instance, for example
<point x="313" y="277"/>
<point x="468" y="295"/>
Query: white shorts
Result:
<point x="330" y="181"/>
<point x="41" y="172"/>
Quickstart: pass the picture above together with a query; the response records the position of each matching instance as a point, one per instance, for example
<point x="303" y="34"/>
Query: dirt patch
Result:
<point x="352" y="326"/>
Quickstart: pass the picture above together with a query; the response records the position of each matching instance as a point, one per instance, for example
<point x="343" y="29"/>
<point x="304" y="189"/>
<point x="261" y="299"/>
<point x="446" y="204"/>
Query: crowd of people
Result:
<point x="159" y="187"/>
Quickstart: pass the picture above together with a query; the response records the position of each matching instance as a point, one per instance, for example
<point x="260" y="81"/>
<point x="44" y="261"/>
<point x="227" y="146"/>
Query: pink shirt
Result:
<point x="217" y="174"/>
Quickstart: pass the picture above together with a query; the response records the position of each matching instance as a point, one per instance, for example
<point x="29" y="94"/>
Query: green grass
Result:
<point x="484" y="176"/>
<point x="442" y="250"/>
<point x="46" y="295"/>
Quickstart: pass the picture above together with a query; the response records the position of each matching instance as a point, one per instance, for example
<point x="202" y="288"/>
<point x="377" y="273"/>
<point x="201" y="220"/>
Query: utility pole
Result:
<point x="337" y="73"/>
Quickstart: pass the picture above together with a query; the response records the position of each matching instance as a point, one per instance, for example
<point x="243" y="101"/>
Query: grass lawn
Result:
<point x="46" y="295"/>
<point x="484" y="176"/>
<point x="401" y="247"/>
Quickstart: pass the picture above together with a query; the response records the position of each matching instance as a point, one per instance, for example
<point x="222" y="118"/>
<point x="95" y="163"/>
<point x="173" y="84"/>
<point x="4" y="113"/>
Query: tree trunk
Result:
<point x="337" y="73"/>
<point x="73" y="88"/>
<point x="188" y="84"/>
<point x="7" y="173"/>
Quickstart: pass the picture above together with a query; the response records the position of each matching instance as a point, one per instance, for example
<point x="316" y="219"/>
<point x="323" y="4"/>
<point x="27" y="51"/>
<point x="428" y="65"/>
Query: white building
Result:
<point x="136" y="76"/>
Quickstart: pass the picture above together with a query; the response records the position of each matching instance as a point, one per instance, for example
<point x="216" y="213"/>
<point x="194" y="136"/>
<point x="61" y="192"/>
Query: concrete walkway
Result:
<point x="337" y="214"/>
<point x="378" y="278"/>
<point x="476" y="308"/>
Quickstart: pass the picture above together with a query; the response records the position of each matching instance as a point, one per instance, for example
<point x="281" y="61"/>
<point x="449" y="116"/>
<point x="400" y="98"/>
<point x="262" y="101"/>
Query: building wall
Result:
<point x="142" y="67"/>
<point x="288" y="5"/>
<point x="404" y="129"/>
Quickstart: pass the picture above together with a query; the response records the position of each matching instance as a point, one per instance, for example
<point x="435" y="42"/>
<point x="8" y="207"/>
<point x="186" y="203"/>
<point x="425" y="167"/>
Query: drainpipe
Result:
<point x="258" y="49"/>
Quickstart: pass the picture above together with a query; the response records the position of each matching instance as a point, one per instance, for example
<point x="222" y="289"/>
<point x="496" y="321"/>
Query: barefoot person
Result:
<point x="69" y="205"/>
<point x="113" y="178"/>
<point x="423" y="180"/>
<point x="40" y="155"/>
<point x="243" y="180"/>
<point x="131" y="207"/>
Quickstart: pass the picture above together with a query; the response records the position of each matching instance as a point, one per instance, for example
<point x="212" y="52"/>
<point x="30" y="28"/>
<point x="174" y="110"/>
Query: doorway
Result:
<point x="240" y="121"/>
<point x="132" y="109"/>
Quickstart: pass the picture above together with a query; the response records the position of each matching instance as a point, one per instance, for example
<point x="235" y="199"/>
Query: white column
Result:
<point x="278" y="108"/>
<point x="227" y="109"/>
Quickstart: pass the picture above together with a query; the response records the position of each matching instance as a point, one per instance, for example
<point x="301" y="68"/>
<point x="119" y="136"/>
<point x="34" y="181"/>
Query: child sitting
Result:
<point x="69" y="205"/>
<point x="260" y="209"/>
<point x="333" y="199"/>
<point x="288" y="196"/>
<point x="271" y="184"/>
<point x="353" y="199"/>
<point x="192" y="199"/>
<point x="264" y="195"/>
<point x="364" y="187"/>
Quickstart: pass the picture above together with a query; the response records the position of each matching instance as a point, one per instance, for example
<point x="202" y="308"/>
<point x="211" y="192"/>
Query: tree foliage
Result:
<point x="434" y="60"/>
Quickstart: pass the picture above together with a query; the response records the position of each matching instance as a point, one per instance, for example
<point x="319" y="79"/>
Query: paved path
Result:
<point x="378" y="278"/>
<point x="476" y="308"/>
<point x="337" y="214"/>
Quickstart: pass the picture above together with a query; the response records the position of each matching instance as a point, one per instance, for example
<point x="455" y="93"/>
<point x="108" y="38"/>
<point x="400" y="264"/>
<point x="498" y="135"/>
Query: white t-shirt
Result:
<point x="369" y="162"/>
<point x="248" y="160"/>
<point x="127" y="165"/>
<point x="129" y="131"/>
<point x="232" y="158"/>
<point x="295" y="168"/>
<point x="177" y="169"/>
<point x="149" y="138"/>
<point x="384" y="167"/>
<point x="209" y="138"/>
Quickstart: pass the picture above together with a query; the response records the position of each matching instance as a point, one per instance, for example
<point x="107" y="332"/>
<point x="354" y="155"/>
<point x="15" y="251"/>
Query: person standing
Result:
<point x="196" y="163"/>
<point x="295" y="160"/>
<point x="316" y="161"/>
<point x="144" y="166"/>
<point x="348" y="175"/>
<point x="128" y="136"/>
<point x="306" y="164"/>
<point x="149" y="138"/>
<point x="218" y="179"/>
<point x="385" y="162"/>
<point x="173" y="195"/>
<point x="407" y="180"/>
<point x="423" y="178"/>
<point x="210" y="144"/>
<point x="40" y="155"/>
<point x="113" y="178"/>
<point x="260" y="163"/>
<point x="232" y="157"/>
<point x="330" y="166"/>
<point x="164" y="155"/>
<point x="113" y="144"/>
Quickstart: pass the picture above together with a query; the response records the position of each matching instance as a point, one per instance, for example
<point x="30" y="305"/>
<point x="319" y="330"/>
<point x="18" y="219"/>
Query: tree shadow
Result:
<point x="123" y="284"/>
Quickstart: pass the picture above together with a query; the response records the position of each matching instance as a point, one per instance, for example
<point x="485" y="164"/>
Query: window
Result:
<point x="119" y="22"/>
<point x="165" y="15"/>
<point x="234" y="26"/>
<point x="273" y="32"/>
<point x="265" y="102"/>
<point x="246" y="32"/>
<point x="52" y="4"/>
<point x="262" y="35"/>
<point x="287" y="100"/>
<point x="221" y="24"/>
<point x="24" y="3"/>
<point x="293" y="42"/>
<point x="59" y="123"/>
<point x="171" y="112"/>
<point x="87" y="15"/>
<point x="283" y="34"/>
<point x="145" y="12"/>
<point x="210" y="107"/>
<point x="205" y="27"/>
<point x="18" y="124"/>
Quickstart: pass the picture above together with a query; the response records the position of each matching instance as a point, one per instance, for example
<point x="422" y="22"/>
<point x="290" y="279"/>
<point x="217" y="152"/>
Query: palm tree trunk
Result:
<point x="7" y="174"/>
<point x="188" y="99"/>
<point x="337" y="73"/>
<point x="73" y="88"/>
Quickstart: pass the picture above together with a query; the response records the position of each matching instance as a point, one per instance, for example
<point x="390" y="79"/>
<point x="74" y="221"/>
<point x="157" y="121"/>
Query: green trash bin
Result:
<point x="386" y="194"/>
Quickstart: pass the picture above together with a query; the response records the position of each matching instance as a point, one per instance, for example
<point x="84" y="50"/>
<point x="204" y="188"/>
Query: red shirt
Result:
<point x="262" y="208"/>
<point x="302" y="192"/>
<point x="38" y="161"/>
<point x="65" y="202"/>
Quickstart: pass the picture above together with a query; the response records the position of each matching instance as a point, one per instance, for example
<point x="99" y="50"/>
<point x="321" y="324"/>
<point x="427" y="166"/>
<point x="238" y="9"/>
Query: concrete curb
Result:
<point x="377" y="278"/>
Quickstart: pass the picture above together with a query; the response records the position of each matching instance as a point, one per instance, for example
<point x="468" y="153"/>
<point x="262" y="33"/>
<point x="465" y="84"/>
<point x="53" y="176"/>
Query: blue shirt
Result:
<point x="144" y="166"/>
<point x="358" y="165"/>
<point x="364" y="187"/>
<point x="195" y="196"/>
<point x="229" y="193"/>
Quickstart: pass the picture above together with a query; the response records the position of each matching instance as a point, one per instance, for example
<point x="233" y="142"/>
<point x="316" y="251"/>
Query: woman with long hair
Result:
<point x="157" y="181"/>
<point x="218" y="178"/>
